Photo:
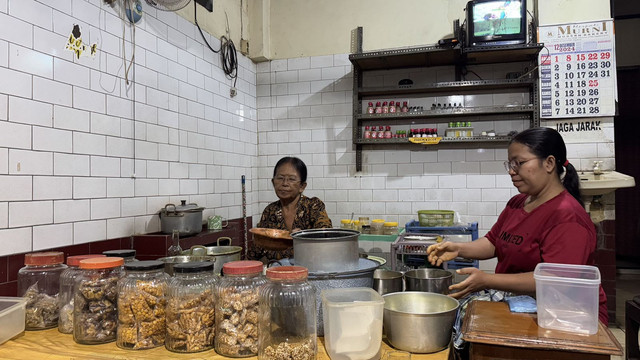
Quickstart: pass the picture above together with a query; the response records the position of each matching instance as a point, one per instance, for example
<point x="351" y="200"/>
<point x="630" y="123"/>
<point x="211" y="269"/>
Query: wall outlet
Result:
<point x="244" y="47"/>
<point x="233" y="92"/>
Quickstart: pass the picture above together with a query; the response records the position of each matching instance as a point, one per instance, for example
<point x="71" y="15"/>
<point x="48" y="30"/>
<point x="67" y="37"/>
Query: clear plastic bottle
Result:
<point x="65" y="297"/>
<point x="237" y="308"/>
<point x="175" y="249"/>
<point x="405" y="107"/>
<point x="370" y="108"/>
<point x="287" y="325"/>
<point x="387" y="132"/>
<point x="380" y="132"/>
<point x="126" y="254"/>
<point x="39" y="282"/>
<point x="191" y="308"/>
<point x="141" y="305"/>
<point x="367" y="132"/>
<point x="95" y="312"/>
<point x="392" y="107"/>
<point x="385" y="107"/>
<point x="378" y="108"/>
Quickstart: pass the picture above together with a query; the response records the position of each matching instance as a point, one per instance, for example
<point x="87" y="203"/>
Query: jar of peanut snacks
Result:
<point x="141" y="305"/>
<point x="237" y="308"/>
<point x="190" y="310"/>
<point x="287" y="324"/>
<point x="95" y="312"/>
<point x="65" y="297"/>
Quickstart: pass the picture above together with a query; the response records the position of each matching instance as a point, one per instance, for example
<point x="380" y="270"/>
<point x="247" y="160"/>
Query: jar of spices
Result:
<point x="39" y="282"/>
<point x="190" y="309"/>
<point x="95" y="312"/>
<point x="237" y="308"/>
<point x="65" y="297"/>
<point x="390" y="228"/>
<point x="376" y="226"/>
<point x="287" y="325"/>
<point x="127" y="254"/>
<point x="141" y="305"/>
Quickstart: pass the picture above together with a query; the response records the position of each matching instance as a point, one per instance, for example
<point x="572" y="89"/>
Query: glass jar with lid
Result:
<point x="346" y="224"/>
<point x="65" y="297"/>
<point x="287" y="325"/>
<point x="39" y="282"/>
<point x="190" y="309"/>
<point x="237" y="308"/>
<point x="141" y="305"/>
<point x="95" y="313"/>
<point x="390" y="228"/>
<point x="376" y="226"/>
<point x="127" y="254"/>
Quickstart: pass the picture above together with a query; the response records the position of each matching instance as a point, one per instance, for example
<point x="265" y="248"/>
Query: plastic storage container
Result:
<point x="287" y="325"/>
<point x="12" y="313"/>
<point x="390" y="228"/>
<point x="65" y="297"/>
<point x="237" y="308"/>
<point x="39" y="282"/>
<point x="567" y="297"/>
<point x="376" y="226"/>
<point x="127" y="254"/>
<point x="347" y="224"/>
<point x="190" y="309"/>
<point x="95" y="314"/>
<point x="436" y="217"/>
<point x="352" y="323"/>
<point x="141" y="305"/>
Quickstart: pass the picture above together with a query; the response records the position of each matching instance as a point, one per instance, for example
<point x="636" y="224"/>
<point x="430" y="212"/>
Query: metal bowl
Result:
<point x="387" y="281"/>
<point x="169" y="261"/>
<point x="430" y="280"/>
<point x="419" y="322"/>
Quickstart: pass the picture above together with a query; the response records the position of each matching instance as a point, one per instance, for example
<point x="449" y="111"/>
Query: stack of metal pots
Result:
<point x="333" y="261"/>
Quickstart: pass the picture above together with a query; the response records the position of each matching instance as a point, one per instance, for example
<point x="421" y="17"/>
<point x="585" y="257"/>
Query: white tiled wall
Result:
<point x="84" y="156"/>
<point x="304" y="110"/>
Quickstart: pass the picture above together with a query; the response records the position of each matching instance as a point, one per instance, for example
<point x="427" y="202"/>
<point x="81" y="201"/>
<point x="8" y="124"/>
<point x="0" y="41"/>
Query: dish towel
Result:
<point x="522" y="304"/>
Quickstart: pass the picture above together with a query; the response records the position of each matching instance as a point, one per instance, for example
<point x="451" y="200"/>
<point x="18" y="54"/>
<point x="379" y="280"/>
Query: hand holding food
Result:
<point x="442" y="252"/>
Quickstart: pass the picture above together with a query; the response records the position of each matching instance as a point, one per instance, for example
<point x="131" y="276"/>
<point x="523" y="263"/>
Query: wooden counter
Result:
<point x="494" y="332"/>
<point x="52" y="345"/>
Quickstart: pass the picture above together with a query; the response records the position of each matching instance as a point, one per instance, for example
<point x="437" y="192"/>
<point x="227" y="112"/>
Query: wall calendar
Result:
<point x="577" y="70"/>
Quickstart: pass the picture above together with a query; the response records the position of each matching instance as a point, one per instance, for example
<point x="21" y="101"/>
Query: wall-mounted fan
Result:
<point x="168" y="5"/>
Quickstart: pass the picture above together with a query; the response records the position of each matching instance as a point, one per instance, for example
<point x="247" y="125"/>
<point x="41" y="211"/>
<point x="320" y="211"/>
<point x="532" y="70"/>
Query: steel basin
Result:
<point x="429" y="280"/>
<point x="419" y="322"/>
<point x="387" y="281"/>
<point x="222" y="253"/>
<point x="326" y="250"/>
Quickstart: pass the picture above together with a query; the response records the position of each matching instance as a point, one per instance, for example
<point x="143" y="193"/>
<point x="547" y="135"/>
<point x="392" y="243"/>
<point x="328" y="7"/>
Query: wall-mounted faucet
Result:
<point x="597" y="170"/>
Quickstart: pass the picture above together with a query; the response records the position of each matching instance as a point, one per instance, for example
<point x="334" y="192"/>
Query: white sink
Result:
<point x="609" y="181"/>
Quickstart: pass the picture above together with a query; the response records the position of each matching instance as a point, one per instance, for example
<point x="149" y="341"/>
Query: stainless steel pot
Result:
<point x="187" y="218"/>
<point x="169" y="261"/>
<point x="362" y="276"/>
<point x="387" y="281"/>
<point x="326" y="250"/>
<point x="419" y="322"/>
<point x="222" y="253"/>
<point x="430" y="280"/>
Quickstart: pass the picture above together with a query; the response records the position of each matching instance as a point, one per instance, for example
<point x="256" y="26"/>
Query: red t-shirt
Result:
<point x="558" y="231"/>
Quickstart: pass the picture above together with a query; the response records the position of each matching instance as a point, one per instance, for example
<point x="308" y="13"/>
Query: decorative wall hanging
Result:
<point x="78" y="47"/>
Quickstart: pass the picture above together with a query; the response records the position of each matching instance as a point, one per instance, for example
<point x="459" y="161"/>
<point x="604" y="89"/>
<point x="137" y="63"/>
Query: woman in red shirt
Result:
<point x="546" y="222"/>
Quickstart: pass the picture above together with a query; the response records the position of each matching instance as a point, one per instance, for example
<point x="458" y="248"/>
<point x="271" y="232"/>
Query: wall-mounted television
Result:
<point x="496" y="22"/>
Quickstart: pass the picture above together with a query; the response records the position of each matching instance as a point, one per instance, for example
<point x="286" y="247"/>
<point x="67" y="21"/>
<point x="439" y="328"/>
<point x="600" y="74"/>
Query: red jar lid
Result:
<point x="44" y="258"/>
<point x="75" y="259"/>
<point x="242" y="267"/>
<point x="287" y="273"/>
<point x="101" y="262"/>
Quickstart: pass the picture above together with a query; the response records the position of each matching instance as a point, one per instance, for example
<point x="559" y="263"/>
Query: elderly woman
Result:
<point x="292" y="211"/>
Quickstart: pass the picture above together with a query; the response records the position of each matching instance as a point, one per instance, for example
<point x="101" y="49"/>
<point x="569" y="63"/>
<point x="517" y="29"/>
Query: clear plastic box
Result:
<point x="12" y="315"/>
<point x="567" y="297"/>
<point x="352" y="323"/>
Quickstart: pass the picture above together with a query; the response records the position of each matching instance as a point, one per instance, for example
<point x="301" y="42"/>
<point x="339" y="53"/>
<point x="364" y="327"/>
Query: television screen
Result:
<point x="493" y="18"/>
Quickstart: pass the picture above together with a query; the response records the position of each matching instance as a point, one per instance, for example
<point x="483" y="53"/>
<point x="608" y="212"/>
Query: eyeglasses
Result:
<point x="515" y="164"/>
<point x="288" y="179"/>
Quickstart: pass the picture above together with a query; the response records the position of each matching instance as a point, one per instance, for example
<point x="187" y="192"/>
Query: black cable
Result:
<point x="535" y="25"/>
<point x="228" y="52"/>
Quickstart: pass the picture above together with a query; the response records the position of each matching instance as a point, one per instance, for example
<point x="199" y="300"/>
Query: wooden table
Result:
<point x="495" y="333"/>
<point x="52" y="345"/>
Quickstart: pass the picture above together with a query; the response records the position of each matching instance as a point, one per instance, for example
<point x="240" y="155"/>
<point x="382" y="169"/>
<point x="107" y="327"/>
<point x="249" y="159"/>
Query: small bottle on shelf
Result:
<point x="378" y="108"/>
<point x="392" y="107"/>
<point x="380" y="132"/>
<point x="385" y="108"/>
<point x="387" y="133"/>
<point x="370" y="108"/>
<point x="367" y="132"/>
<point x="374" y="133"/>
<point x="405" y="107"/>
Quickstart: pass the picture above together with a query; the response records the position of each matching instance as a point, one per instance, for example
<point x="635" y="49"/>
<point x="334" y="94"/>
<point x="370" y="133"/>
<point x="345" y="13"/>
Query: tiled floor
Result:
<point x="627" y="286"/>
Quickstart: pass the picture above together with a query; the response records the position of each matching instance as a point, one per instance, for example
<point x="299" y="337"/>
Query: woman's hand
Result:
<point x="439" y="253"/>
<point x="475" y="282"/>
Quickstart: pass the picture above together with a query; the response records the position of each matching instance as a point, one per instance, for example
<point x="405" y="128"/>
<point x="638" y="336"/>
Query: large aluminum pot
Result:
<point x="326" y="250"/>
<point x="362" y="276"/>
<point x="387" y="281"/>
<point x="430" y="280"/>
<point x="169" y="261"/>
<point x="187" y="218"/>
<point x="419" y="322"/>
<point x="222" y="253"/>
